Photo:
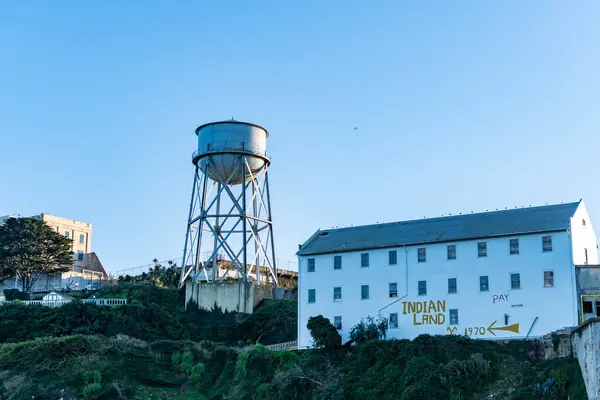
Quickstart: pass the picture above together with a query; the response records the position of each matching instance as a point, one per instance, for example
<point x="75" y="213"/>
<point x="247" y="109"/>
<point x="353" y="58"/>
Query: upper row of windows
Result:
<point x="422" y="253"/>
<point x="68" y="236"/>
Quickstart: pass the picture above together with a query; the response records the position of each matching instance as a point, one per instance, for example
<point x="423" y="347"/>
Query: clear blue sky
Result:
<point x="459" y="105"/>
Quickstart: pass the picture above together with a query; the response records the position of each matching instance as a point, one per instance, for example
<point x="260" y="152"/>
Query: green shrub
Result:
<point x="92" y="377"/>
<point x="324" y="333"/>
<point x="91" y="389"/>
<point x="15" y="294"/>
<point x="187" y="362"/>
<point x="370" y="329"/>
<point x="240" y="364"/>
<point x="196" y="373"/>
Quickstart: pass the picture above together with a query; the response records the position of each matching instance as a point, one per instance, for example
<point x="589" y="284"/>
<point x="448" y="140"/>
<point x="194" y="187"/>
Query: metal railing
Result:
<point x="58" y="303"/>
<point x="283" y="346"/>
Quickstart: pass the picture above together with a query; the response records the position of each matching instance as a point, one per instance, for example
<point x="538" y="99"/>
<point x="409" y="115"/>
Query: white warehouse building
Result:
<point x="506" y="274"/>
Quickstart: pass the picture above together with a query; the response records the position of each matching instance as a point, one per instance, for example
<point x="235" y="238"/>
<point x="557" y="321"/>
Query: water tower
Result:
<point x="230" y="226"/>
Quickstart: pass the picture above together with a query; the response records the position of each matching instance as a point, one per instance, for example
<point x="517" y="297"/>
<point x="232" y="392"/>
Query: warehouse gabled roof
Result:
<point x="444" y="229"/>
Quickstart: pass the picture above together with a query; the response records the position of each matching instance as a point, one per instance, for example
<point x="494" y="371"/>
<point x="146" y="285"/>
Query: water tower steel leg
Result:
<point x="215" y="263"/>
<point x="270" y="218"/>
<point x="253" y="225"/>
<point x="183" y="274"/>
<point x="201" y="222"/>
<point x="244" y="215"/>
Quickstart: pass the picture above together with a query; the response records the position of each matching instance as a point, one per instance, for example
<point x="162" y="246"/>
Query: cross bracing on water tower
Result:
<point x="230" y="225"/>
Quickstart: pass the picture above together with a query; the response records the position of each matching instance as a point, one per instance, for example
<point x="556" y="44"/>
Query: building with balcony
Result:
<point x="505" y="274"/>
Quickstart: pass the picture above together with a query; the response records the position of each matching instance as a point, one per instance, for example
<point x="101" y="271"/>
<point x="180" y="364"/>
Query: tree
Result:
<point x="29" y="248"/>
<point x="369" y="330"/>
<point x="324" y="333"/>
<point x="162" y="276"/>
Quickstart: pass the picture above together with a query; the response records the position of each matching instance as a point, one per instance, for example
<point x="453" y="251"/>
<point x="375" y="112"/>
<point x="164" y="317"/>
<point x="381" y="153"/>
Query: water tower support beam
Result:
<point x="270" y="218"/>
<point x="245" y="255"/>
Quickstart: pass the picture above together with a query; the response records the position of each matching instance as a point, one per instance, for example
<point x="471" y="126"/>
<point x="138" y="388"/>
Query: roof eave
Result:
<point x="314" y="253"/>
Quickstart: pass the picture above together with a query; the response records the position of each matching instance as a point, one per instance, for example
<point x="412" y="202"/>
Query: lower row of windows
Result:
<point x="484" y="286"/>
<point x="393" y="319"/>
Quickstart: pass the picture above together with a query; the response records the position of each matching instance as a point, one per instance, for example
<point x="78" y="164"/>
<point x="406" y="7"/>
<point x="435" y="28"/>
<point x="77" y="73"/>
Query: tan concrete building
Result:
<point x="87" y="269"/>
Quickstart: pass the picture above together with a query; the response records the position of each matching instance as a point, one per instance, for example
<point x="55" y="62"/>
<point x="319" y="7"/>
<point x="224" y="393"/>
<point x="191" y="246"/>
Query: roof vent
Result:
<point x="324" y="234"/>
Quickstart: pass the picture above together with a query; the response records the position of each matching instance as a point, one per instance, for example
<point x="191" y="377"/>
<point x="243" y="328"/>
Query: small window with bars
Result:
<point x="393" y="320"/>
<point x="422" y="288"/>
<point x="337" y="293"/>
<point x="484" y="284"/>
<point x="514" y="246"/>
<point x="311" y="265"/>
<point x="453" y="316"/>
<point x="337" y="262"/>
<point x="312" y="295"/>
<point x="337" y="322"/>
<point x="422" y="254"/>
<point x="451" y="249"/>
<point x="548" y="278"/>
<point x="452" y="286"/>
<point x="393" y="257"/>
<point x="364" y="292"/>
<point x="482" y="249"/>
<point x="393" y="289"/>
<point x="515" y="281"/>
<point x="547" y="243"/>
<point x="364" y="260"/>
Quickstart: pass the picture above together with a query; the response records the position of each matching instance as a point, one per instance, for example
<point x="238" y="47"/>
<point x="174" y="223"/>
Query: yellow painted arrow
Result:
<point x="511" y="328"/>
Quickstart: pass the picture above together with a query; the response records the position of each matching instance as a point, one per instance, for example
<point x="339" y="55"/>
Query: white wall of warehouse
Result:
<point x="554" y="307"/>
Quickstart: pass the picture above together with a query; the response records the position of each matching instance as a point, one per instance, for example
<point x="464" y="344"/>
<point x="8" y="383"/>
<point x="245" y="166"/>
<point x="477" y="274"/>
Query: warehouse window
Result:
<point x="364" y="292"/>
<point x="393" y="257"/>
<point x="515" y="281"/>
<point x="547" y="243"/>
<point x="451" y="249"/>
<point x="452" y="286"/>
<point x="67" y="234"/>
<point x="588" y="307"/>
<point x="337" y="293"/>
<point x="453" y="317"/>
<point x="337" y="322"/>
<point x="312" y="295"/>
<point x="393" y="289"/>
<point x="484" y="284"/>
<point x="80" y="255"/>
<point x="548" y="278"/>
<point x="482" y="249"/>
<point x="364" y="260"/>
<point x="311" y="265"/>
<point x="81" y="239"/>
<point x="337" y="262"/>
<point x="514" y="246"/>
<point x="393" y="320"/>
<point x="422" y="288"/>
<point x="422" y="254"/>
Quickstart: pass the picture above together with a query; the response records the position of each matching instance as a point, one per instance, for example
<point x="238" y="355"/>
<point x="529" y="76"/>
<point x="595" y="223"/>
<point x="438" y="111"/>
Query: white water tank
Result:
<point x="226" y="143"/>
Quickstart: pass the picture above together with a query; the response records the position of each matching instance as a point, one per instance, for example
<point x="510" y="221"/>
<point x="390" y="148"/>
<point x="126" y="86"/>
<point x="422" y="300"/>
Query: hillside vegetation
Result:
<point x="152" y="314"/>
<point x="81" y="352"/>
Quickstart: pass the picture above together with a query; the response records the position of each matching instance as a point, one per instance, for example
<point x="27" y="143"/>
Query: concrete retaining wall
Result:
<point x="585" y="342"/>
<point x="233" y="295"/>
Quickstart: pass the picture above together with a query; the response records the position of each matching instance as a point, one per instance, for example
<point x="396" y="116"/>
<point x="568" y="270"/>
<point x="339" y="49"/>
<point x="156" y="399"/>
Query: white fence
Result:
<point x="58" y="303"/>
<point x="283" y="346"/>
